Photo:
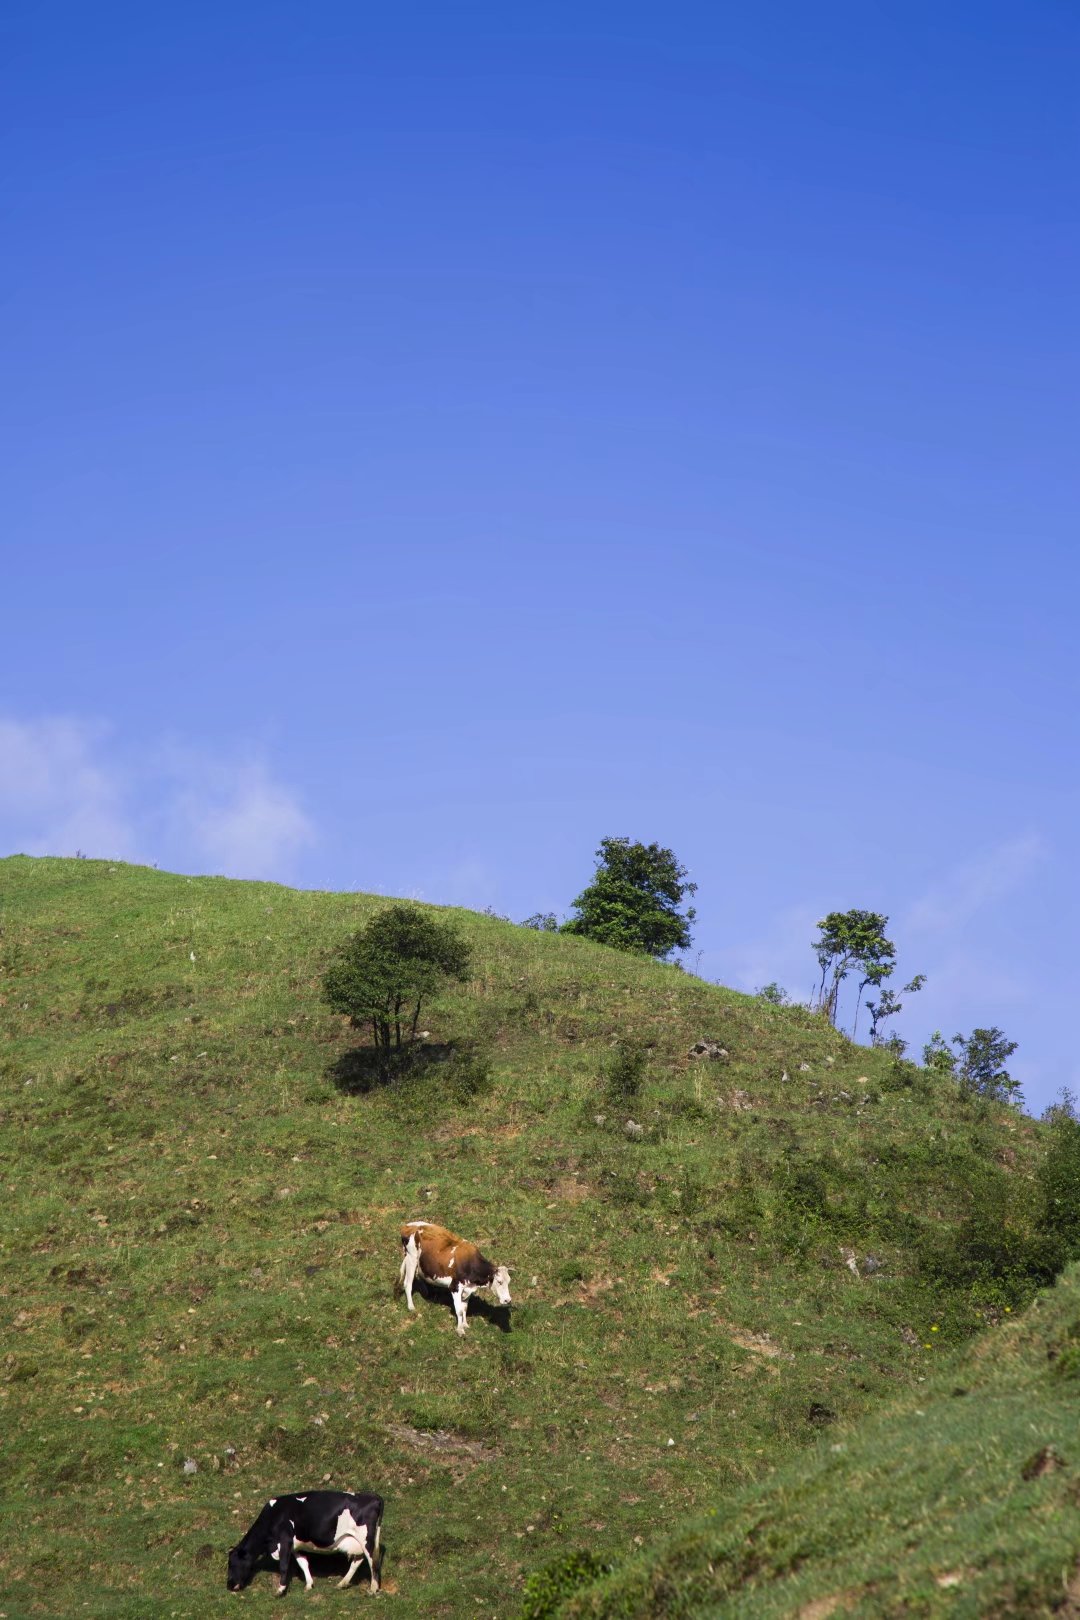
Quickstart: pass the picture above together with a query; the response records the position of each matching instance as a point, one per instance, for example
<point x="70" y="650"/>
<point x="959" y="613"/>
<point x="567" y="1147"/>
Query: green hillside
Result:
<point x="200" y="1243"/>
<point x="963" y="1499"/>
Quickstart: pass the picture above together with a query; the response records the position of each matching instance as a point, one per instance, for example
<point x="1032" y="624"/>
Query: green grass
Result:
<point x="963" y="1499"/>
<point x="199" y="1234"/>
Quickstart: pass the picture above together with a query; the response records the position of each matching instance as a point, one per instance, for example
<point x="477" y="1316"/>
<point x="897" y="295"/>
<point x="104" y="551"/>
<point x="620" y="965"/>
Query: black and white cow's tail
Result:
<point x="375" y="1553"/>
<point x="376" y="1562"/>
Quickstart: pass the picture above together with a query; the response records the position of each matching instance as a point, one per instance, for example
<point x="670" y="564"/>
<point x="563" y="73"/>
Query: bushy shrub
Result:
<point x="624" y="1074"/>
<point x="938" y="1058"/>
<point x="467" y="1075"/>
<point x="800" y="1204"/>
<point x="435" y="1082"/>
<point x="1065" y="1354"/>
<point x="998" y="1253"/>
<point x="1058" y="1178"/>
<point x="981" y="1070"/>
<point x="547" y="1589"/>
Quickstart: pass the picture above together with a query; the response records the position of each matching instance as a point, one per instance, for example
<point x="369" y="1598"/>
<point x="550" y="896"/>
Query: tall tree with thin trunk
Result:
<point x="850" y="940"/>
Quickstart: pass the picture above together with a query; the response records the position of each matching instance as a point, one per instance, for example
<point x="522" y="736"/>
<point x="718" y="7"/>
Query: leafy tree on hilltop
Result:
<point x="633" y="900"/>
<point x="852" y="939"/>
<point x="544" y="922"/>
<point x="981" y="1066"/>
<point x="977" y="1065"/>
<point x="938" y="1058"/>
<point x="384" y="972"/>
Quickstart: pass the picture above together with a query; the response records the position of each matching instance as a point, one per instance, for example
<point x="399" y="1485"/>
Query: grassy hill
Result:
<point x="963" y="1499"/>
<point x="199" y="1234"/>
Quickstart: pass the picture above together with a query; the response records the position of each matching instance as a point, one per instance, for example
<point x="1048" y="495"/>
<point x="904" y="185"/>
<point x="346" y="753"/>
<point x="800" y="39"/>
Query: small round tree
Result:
<point x="384" y="972"/>
<point x="633" y="901"/>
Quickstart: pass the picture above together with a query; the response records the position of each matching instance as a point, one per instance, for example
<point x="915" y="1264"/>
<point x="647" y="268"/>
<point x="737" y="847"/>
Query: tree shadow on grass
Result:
<point x="497" y="1316"/>
<point x="366" y="1068"/>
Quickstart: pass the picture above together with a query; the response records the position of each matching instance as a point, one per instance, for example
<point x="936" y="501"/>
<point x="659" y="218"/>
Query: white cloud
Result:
<point x="961" y="893"/>
<point x="247" y="824"/>
<point x="469" y="882"/>
<point x="58" y="794"/>
<point x="62" y="789"/>
<point x="781" y="954"/>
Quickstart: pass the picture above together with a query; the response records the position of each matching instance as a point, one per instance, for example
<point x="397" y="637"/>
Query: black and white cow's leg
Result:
<point x="376" y="1561"/>
<point x="408" y="1270"/>
<point x="284" y="1556"/>
<point x="305" y="1570"/>
<point x="461" y="1306"/>
<point x="350" y="1572"/>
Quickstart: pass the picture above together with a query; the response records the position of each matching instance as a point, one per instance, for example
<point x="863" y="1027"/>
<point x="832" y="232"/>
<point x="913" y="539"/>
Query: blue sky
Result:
<point x="439" y="438"/>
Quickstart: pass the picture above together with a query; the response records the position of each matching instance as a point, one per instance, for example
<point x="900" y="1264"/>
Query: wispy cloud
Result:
<point x="956" y="898"/>
<point x="247" y="824"/>
<point x="66" y="784"/>
<point x="780" y="954"/>
<point x="58" y="793"/>
<point x="470" y="882"/>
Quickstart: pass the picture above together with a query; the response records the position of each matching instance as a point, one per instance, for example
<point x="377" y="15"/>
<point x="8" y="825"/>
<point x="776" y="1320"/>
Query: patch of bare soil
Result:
<point x="821" y="1608"/>
<point x="1069" y="1608"/>
<point x="569" y="1190"/>
<point x="760" y="1344"/>
<point x="442" y="1442"/>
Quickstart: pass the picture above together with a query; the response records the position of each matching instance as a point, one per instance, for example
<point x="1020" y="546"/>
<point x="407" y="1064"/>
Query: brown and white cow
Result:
<point x="449" y="1262"/>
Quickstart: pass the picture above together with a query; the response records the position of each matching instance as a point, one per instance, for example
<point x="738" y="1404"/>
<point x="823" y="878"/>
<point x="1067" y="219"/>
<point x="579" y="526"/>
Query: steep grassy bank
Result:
<point x="963" y="1499"/>
<point x="199" y="1247"/>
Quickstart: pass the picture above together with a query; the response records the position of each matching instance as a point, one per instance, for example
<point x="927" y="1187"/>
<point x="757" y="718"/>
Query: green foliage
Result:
<point x="384" y="972"/>
<point x="1064" y="1354"/>
<point x="774" y="994"/>
<point x="977" y="1065"/>
<point x="433" y="1084"/>
<point x="468" y="1075"/>
<point x="545" y="922"/>
<point x="887" y="1006"/>
<point x="800" y="1204"/>
<point x="1000" y="1253"/>
<point x="848" y="940"/>
<point x="938" y="1057"/>
<point x="1058" y="1177"/>
<point x="547" y="1589"/>
<point x="624" y="1073"/>
<point x="633" y="900"/>
<point x="981" y="1070"/>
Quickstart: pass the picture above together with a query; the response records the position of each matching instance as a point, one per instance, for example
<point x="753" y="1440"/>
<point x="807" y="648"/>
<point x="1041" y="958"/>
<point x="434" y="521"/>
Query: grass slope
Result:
<point x="199" y="1233"/>
<point x="962" y="1500"/>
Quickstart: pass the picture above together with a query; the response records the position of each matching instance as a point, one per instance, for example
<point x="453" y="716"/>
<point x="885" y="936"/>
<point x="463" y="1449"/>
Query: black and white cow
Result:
<point x="316" y="1521"/>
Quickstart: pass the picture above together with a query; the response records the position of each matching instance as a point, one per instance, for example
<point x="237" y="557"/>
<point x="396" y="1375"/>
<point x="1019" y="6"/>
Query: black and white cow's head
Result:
<point x="242" y="1562"/>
